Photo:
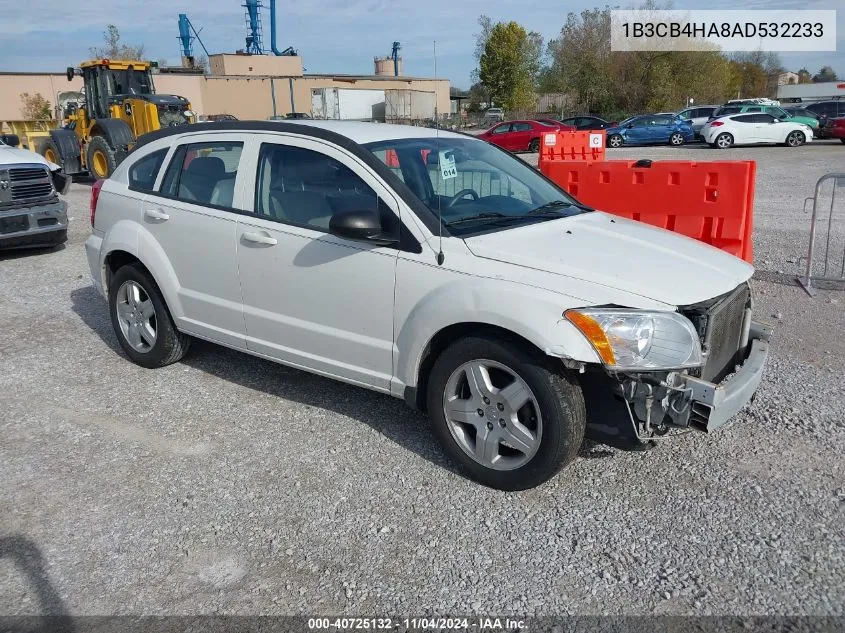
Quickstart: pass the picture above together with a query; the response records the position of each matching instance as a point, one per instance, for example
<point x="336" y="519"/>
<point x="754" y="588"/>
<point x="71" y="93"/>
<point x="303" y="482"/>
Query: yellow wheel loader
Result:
<point x="119" y="104"/>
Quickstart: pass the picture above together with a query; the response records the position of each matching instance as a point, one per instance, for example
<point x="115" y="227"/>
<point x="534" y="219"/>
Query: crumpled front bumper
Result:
<point x="713" y="405"/>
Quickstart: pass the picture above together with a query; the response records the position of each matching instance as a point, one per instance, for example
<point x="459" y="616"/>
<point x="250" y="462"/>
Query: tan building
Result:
<point x="246" y="86"/>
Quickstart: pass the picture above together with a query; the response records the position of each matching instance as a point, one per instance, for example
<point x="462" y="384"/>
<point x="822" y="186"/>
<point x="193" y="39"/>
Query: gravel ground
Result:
<point x="227" y="484"/>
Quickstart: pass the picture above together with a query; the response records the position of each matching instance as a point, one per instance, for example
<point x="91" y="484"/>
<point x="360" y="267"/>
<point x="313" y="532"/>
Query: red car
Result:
<point x="521" y="136"/>
<point x="835" y="128"/>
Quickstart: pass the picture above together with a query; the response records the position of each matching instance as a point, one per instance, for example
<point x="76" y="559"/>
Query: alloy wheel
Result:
<point x="795" y="139"/>
<point x="492" y="414"/>
<point x="137" y="316"/>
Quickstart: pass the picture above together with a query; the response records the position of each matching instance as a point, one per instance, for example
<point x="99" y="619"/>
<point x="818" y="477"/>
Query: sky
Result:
<point x="333" y="36"/>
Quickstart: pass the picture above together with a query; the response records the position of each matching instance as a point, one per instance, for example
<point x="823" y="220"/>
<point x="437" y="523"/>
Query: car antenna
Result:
<point x="440" y="256"/>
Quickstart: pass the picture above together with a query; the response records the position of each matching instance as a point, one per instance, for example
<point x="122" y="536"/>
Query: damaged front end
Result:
<point x="720" y="375"/>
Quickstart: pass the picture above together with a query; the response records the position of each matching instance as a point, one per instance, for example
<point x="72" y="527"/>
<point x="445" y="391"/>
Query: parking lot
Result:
<point x="229" y="484"/>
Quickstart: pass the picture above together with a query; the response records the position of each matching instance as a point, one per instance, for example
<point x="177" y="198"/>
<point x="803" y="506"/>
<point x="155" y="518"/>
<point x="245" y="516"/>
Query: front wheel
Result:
<point x="795" y="139"/>
<point x="100" y="158"/>
<point x="534" y="145"/>
<point x="676" y="139"/>
<point x="141" y="320"/>
<point x="615" y="140"/>
<point x="507" y="416"/>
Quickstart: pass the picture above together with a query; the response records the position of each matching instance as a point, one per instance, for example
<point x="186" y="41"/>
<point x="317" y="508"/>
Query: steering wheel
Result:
<point x="461" y="194"/>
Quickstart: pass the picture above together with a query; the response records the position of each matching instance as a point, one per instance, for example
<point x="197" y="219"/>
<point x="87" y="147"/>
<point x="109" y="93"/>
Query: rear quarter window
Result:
<point x="143" y="174"/>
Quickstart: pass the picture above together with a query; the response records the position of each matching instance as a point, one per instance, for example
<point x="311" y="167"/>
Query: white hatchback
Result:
<point x="430" y="266"/>
<point x="754" y="129"/>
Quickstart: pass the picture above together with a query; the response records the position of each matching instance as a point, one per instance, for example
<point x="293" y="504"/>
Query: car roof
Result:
<point x="356" y="131"/>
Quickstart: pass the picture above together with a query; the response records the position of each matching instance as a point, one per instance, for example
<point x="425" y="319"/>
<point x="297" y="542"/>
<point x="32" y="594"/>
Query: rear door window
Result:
<point x="520" y="127"/>
<point x="745" y="118"/>
<point x="203" y="173"/>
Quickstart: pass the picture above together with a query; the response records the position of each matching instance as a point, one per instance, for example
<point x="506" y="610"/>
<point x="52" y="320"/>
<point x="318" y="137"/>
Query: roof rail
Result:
<point x="757" y="101"/>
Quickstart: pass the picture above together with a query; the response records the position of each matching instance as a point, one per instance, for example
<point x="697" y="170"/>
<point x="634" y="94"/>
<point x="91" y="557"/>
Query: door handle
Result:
<point x="155" y="214"/>
<point x="259" y="238"/>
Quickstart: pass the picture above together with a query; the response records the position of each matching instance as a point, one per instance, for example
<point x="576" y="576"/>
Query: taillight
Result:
<point x="95" y="195"/>
<point x="716" y="123"/>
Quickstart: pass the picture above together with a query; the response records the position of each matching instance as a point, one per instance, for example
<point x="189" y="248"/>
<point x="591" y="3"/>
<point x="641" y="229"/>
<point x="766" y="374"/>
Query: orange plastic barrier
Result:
<point x="711" y="202"/>
<point x="569" y="146"/>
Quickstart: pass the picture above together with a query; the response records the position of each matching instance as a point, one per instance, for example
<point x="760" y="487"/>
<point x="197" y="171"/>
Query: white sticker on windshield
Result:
<point x="447" y="165"/>
<point x="595" y="140"/>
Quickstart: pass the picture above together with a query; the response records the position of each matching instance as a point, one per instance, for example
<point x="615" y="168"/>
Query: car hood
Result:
<point x="619" y="254"/>
<point x="16" y="156"/>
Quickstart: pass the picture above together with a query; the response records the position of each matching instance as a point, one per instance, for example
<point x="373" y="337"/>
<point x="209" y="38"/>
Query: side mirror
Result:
<point x="70" y="73"/>
<point x="12" y="140"/>
<point x="776" y="121"/>
<point x="361" y="226"/>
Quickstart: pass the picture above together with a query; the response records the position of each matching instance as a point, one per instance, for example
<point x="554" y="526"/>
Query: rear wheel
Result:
<point x="842" y="140"/>
<point x="795" y="138"/>
<point x="676" y="139"/>
<point x="724" y="140"/>
<point x="101" y="158"/>
<point x="507" y="416"/>
<point x="141" y="320"/>
<point x="615" y="140"/>
<point x="534" y="145"/>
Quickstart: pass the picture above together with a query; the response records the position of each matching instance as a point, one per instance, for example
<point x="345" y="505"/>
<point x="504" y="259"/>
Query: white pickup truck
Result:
<point x="31" y="212"/>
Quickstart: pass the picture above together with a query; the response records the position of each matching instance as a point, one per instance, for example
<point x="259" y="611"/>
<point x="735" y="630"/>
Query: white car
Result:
<point x="753" y="129"/>
<point x="430" y="266"/>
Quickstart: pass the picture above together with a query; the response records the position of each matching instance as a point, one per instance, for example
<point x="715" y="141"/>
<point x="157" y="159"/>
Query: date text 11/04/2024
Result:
<point x="415" y="624"/>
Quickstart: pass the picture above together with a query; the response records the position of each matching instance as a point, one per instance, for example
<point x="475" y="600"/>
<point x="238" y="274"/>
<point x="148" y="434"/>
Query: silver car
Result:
<point x="494" y="114"/>
<point x="698" y="116"/>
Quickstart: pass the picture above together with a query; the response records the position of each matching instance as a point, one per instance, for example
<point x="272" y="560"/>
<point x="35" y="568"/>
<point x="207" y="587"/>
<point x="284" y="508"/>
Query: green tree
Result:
<point x="509" y="65"/>
<point x="825" y="74"/>
<point x="35" y="106"/>
<point x="804" y="76"/>
<point x="114" y="48"/>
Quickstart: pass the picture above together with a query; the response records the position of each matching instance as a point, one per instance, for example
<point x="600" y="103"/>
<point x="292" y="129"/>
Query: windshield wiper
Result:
<point x="550" y="207"/>
<point x="485" y="215"/>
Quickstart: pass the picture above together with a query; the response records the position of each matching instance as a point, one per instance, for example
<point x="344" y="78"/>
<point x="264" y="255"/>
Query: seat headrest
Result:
<point x="208" y="166"/>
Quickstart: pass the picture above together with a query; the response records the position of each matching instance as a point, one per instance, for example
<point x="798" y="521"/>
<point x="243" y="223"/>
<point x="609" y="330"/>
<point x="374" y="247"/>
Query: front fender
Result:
<point x="532" y="313"/>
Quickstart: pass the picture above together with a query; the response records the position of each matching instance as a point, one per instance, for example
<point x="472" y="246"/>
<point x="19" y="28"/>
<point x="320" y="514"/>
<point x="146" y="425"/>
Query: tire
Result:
<point x="549" y="425"/>
<point x="724" y="141"/>
<point x="47" y="148"/>
<point x="167" y="345"/>
<point x="676" y="140"/>
<point x="100" y="158"/>
<point x="795" y="138"/>
<point x="615" y="140"/>
<point x="842" y="140"/>
<point x="534" y="145"/>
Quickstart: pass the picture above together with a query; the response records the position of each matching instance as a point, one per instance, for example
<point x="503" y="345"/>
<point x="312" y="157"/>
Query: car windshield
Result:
<point x="474" y="186"/>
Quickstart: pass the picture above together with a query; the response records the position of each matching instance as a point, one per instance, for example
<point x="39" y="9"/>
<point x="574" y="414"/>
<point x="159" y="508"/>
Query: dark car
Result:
<point x="518" y="136"/>
<point x="588" y="122"/>
<point x="827" y="109"/>
<point x="824" y="111"/>
<point x="650" y="129"/>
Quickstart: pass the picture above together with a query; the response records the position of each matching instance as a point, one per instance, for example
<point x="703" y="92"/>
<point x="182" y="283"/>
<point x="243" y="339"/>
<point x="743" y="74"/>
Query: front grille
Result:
<point x="720" y="325"/>
<point x="27" y="184"/>
<point x="26" y="173"/>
